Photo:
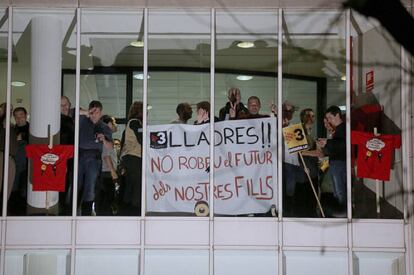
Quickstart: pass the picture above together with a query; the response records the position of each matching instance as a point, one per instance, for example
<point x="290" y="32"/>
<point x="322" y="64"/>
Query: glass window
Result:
<point x="184" y="262"/>
<point x="43" y="46"/>
<point x="245" y="262"/>
<point x="377" y="168"/>
<point x="178" y="107"/>
<point x="3" y="90"/>
<point x="313" y="110"/>
<point x="31" y="262"/>
<point x="245" y="159"/>
<point x="107" y="262"/>
<point x="109" y="178"/>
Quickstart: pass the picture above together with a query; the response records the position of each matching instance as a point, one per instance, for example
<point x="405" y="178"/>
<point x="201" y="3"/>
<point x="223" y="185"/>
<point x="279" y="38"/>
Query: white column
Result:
<point x="46" y="68"/>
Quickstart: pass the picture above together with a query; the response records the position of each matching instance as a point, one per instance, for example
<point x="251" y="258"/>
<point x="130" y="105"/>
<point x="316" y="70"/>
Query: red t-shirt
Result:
<point x="374" y="154"/>
<point x="49" y="166"/>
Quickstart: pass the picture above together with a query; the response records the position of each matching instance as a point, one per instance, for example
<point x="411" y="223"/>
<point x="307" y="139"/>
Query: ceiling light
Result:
<point x="244" y="77"/>
<point x="141" y="76"/>
<point x="18" y="83"/>
<point x="138" y="44"/>
<point x="343" y="78"/>
<point x="245" y="44"/>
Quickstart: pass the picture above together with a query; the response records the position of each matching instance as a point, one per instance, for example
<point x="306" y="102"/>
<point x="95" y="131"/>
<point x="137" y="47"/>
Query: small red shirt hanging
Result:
<point x="374" y="154"/>
<point x="49" y="166"/>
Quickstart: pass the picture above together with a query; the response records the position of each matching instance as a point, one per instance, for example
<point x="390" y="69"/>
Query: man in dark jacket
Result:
<point x="234" y="107"/>
<point x="335" y="148"/>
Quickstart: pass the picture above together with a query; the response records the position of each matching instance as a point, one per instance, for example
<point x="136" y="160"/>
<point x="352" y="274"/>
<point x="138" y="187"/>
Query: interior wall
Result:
<point x="381" y="55"/>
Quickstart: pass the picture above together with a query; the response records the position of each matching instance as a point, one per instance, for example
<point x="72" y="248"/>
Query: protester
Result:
<point x="234" y="107"/>
<point x="184" y="112"/>
<point x="131" y="159"/>
<point x="253" y="107"/>
<point x="92" y="133"/>
<point x="335" y="149"/>
<point x="20" y="180"/>
<point x="203" y="113"/>
<point x="292" y="172"/>
<point x="108" y="181"/>
<point x="12" y="151"/>
<point x="67" y="137"/>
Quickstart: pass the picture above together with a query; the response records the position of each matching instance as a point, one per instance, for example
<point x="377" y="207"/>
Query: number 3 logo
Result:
<point x="299" y="134"/>
<point x="161" y="138"/>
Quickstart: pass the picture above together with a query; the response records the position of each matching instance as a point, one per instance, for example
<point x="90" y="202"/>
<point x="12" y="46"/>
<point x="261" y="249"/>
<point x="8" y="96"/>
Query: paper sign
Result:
<point x="295" y="138"/>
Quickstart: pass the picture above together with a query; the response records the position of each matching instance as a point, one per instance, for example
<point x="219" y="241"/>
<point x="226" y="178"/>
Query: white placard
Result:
<point x="178" y="166"/>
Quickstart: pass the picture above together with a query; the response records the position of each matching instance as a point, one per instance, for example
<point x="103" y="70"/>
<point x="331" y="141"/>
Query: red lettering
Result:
<point x="192" y="163"/>
<point x="182" y="162"/>
<point x="189" y="195"/>
<point x="228" y="190"/>
<point x="178" y="194"/>
<point x="156" y="164"/>
<point x="237" y="158"/>
<point x="266" y="196"/>
<point x="237" y="185"/>
<point x="171" y="164"/>
<point x="219" y="191"/>
<point x="269" y="157"/>
<point x="206" y="189"/>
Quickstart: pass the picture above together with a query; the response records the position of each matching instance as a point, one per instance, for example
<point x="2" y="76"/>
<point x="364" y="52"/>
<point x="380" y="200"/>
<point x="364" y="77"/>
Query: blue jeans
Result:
<point x="90" y="164"/>
<point x="337" y="170"/>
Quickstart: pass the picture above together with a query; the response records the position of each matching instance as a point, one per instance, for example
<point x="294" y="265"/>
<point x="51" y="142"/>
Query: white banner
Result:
<point x="245" y="166"/>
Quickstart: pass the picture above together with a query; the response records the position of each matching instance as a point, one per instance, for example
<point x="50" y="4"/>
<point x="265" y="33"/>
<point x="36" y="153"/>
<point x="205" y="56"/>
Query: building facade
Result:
<point x="264" y="214"/>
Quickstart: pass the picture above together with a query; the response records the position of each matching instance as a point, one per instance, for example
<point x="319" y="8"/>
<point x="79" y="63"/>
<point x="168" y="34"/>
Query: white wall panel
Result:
<point x="107" y="262"/>
<point x="182" y="262"/>
<point x="109" y="232"/>
<point x="315" y="263"/>
<point x="38" y="232"/>
<point x="245" y="262"/>
<point x="254" y="231"/>
<point x="315" y="233"/>
<point x="387" y="234"/>
<point x="177" y="232"/>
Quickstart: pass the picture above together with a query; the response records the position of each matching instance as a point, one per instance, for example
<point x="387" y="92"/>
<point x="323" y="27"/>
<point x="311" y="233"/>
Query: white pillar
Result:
<point x="46" y="68"/>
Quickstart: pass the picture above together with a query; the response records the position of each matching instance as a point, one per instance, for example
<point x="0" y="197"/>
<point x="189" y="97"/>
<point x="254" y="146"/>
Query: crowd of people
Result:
<point x="109" y="170"/>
